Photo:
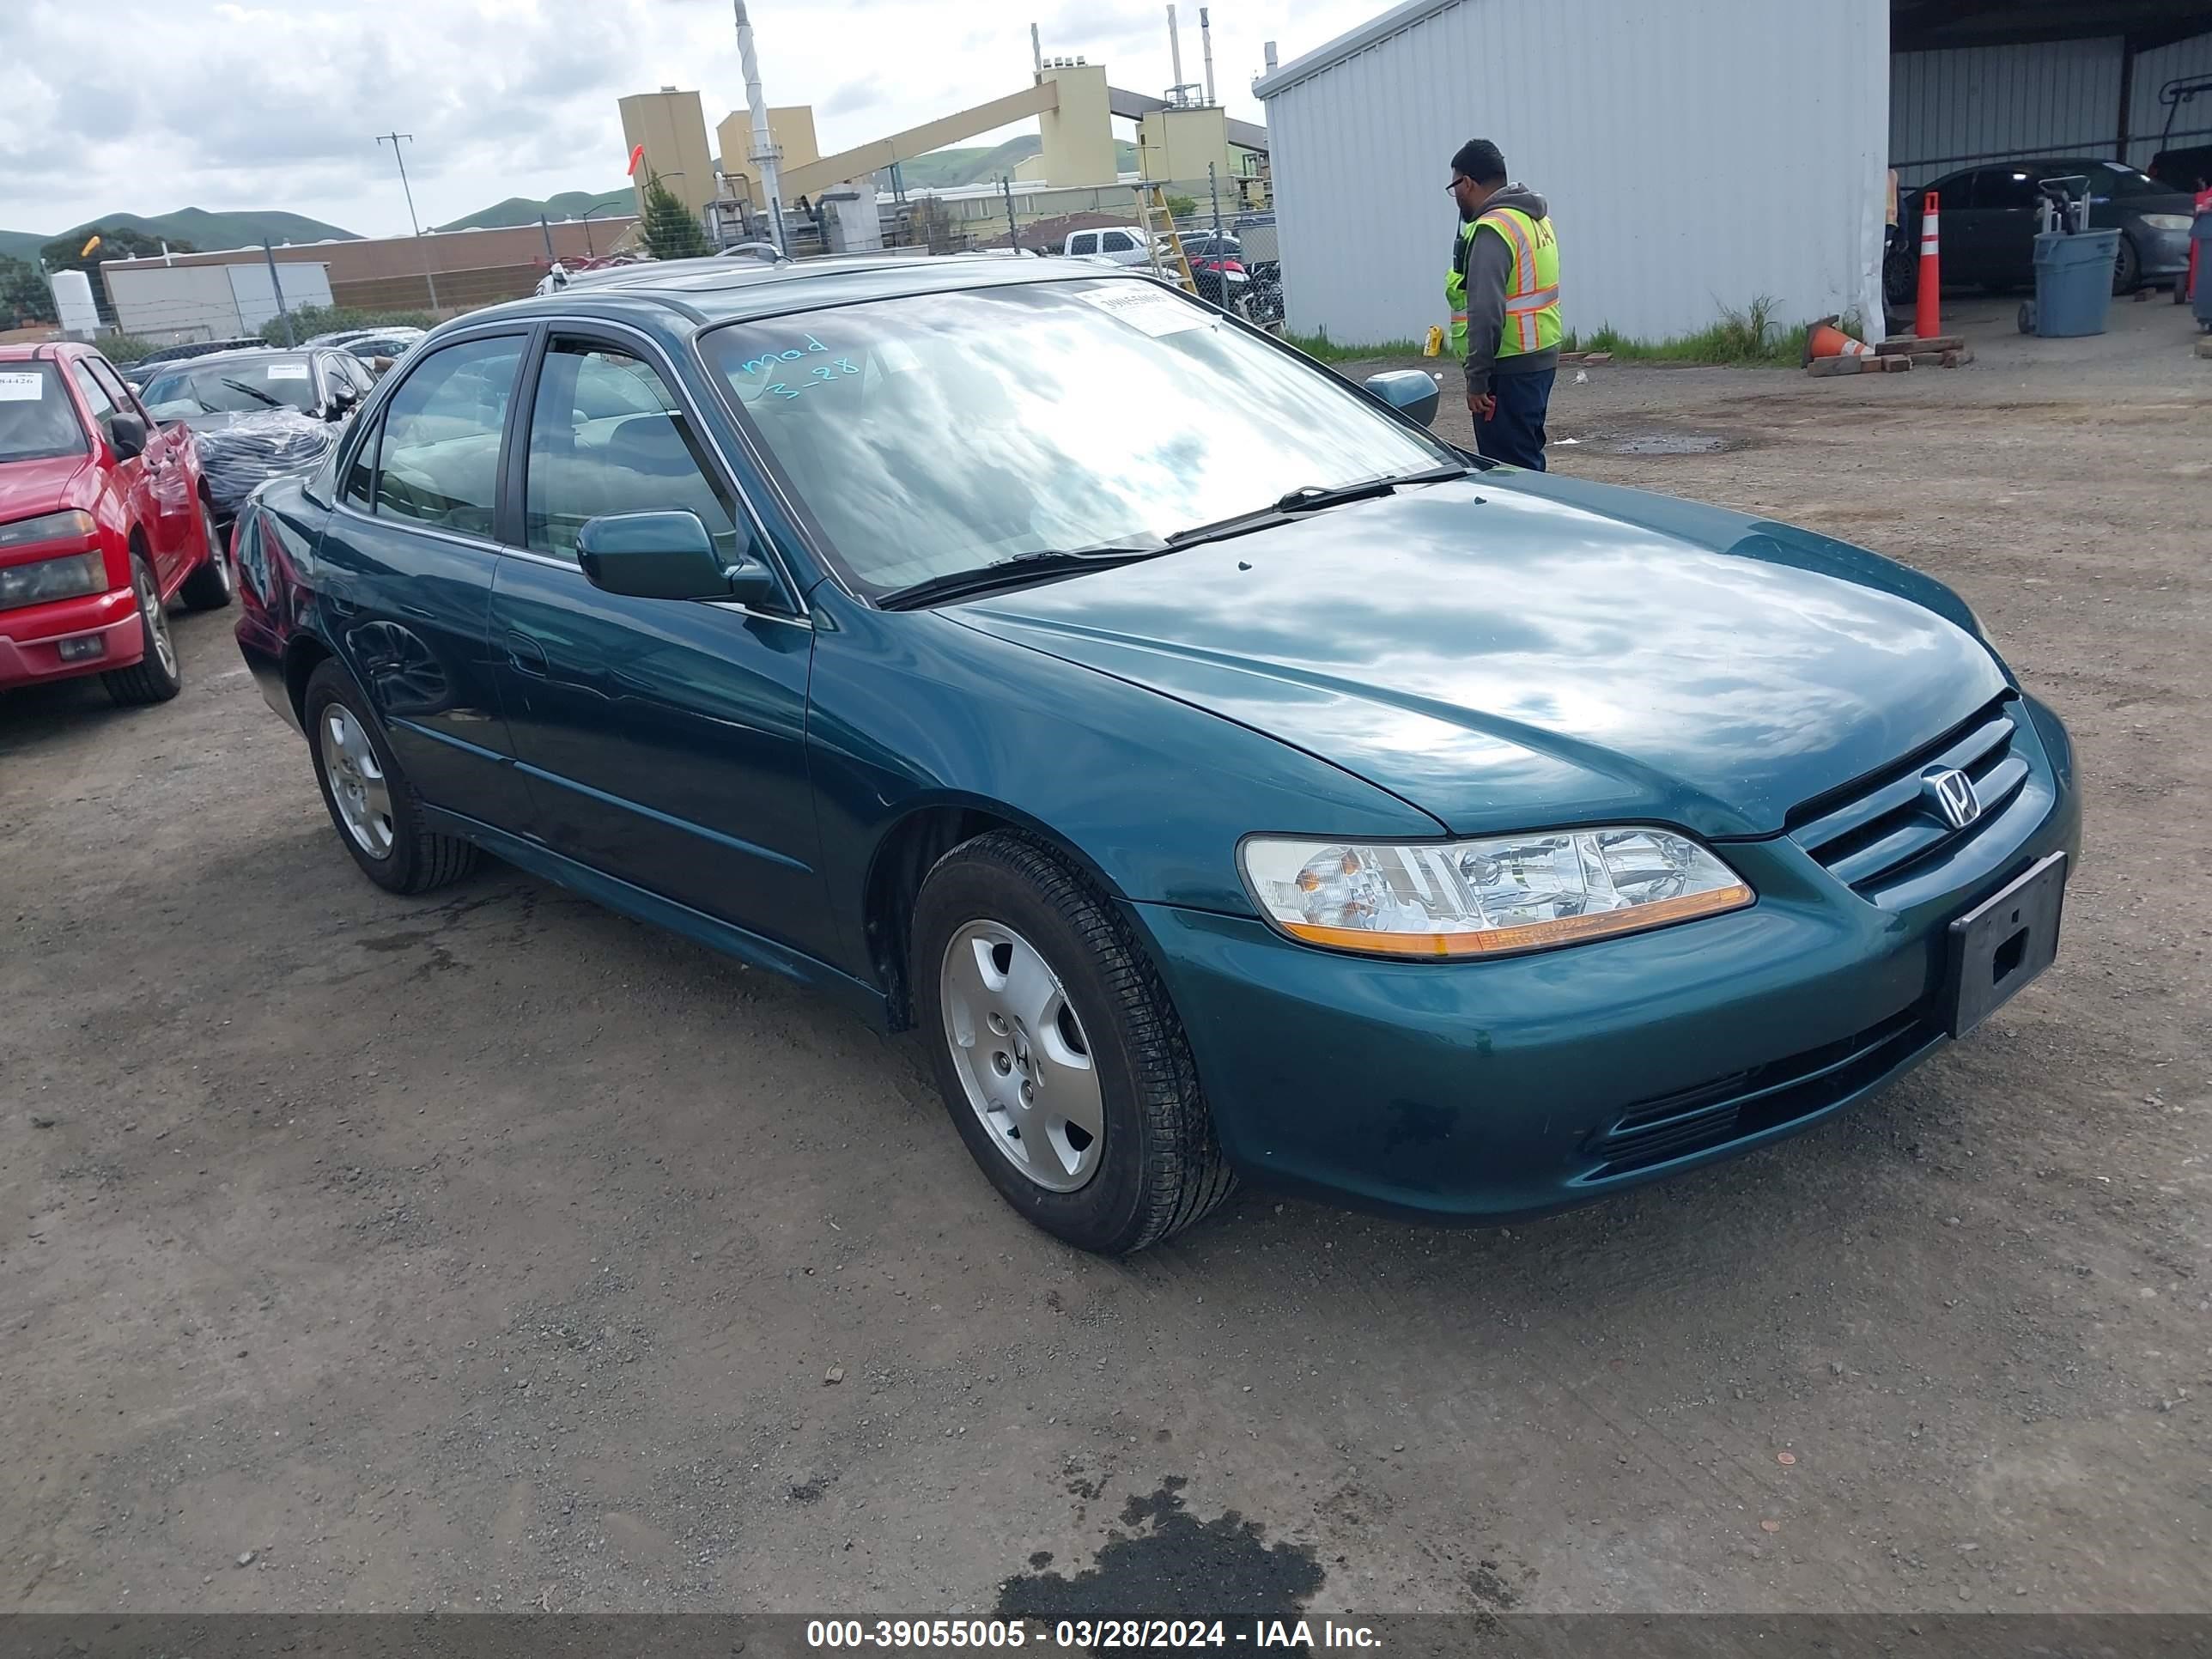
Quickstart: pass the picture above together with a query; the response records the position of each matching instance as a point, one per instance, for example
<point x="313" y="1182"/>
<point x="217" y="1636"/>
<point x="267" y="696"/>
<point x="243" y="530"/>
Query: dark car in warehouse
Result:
<point x="1263" y="785"/>
<point x="258" y="414"/>
<point x="1988" y="218"/>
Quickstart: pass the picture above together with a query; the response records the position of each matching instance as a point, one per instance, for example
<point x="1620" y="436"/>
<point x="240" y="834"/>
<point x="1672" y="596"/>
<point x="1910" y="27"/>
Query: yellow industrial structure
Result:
<point x="1076" y="169"/>
<point x="673" y="130"/>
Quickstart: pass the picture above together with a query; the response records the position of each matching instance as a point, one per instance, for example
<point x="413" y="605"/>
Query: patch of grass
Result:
<point x="1746" y="337"/>
<point x="1318" y="344"/>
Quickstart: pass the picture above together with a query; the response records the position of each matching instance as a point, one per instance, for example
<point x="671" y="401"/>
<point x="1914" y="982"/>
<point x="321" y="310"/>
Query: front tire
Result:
<point x="210" y="586"/>
<point x="377" y="813"/>
<point x="2127" y="267"/>
<point x="156" y="677"/>
<point x="1060" y="1059"/>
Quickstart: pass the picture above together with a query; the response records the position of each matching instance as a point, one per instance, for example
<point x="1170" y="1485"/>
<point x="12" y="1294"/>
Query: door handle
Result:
<point x="526" y="656"/>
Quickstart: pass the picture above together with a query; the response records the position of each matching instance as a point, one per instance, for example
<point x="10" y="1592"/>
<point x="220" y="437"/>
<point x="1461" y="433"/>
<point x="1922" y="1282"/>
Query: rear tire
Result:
<point x="375" y="811"/>
<point x="210" y="586"/>
<point x="1155" y="1165"/>
<point x="156" y="677"/>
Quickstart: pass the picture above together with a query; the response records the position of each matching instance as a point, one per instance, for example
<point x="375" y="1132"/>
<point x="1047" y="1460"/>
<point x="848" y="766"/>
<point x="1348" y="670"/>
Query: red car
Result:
<point x="103" y="521"/>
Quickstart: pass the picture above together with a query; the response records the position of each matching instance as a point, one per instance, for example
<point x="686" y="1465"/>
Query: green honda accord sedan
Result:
<point x="1222" y="774"/>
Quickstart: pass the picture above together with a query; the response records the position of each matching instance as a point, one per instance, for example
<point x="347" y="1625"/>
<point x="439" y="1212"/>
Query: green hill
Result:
<point x="975" y="164"/>
<point x="523" y="210"/>
<point x="203" y="229"/>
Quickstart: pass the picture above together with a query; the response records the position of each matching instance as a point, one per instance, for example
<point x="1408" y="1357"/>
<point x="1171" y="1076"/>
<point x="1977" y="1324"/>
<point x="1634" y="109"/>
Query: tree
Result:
<point x="24" y="296"/>
<point x="67" y="252"/>
<point x="671" y="230"/>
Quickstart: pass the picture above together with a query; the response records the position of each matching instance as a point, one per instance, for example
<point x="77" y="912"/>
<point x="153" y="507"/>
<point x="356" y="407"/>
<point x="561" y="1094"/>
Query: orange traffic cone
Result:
<point x="1826" y="340"/>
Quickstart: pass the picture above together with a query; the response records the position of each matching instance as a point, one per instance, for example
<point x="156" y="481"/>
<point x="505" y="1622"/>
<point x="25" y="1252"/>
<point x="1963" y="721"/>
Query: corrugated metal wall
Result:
<point x="1695" y="155"/>
<point x="1947" y="109"/>
<point x="2146" y="115"/>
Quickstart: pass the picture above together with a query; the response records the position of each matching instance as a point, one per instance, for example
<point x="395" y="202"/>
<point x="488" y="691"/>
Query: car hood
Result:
<point x="1509" y="654"/>
<point x="28" y="489"/>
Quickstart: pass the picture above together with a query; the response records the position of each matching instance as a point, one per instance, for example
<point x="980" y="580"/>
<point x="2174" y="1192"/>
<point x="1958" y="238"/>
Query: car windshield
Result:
<point x="238" y="386"/>
<point x="37" y="420"/>
<point x="947" y="432"/>
<point x="2112" y="178"/>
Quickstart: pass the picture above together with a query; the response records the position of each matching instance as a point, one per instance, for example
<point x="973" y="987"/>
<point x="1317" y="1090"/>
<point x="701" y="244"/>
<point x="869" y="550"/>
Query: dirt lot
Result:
<point x="489" y="1250"/>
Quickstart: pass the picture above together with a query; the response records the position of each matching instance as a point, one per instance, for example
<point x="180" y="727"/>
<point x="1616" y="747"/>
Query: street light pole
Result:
<point x="393" y="138"/>
<point x="591" y="252"/>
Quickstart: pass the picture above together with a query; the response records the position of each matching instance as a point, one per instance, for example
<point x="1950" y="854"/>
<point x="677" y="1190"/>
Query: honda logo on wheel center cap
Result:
<point x="1951" y="792"/>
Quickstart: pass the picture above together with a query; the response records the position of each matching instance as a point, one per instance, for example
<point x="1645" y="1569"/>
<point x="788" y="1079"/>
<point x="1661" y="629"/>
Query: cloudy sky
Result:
<point x="144" y="106"/>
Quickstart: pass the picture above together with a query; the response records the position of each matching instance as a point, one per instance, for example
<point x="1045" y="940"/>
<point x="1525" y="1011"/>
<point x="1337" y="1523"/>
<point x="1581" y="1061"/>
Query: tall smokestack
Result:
<point x="1037" y="53"/>
<point x="1205" y="39"/>
<point x="1175" y="50"/>
<point x="764" y="155"/>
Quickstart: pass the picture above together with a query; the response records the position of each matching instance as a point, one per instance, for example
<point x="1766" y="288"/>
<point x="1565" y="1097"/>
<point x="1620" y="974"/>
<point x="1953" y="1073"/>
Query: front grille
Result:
<point x="1871" y="831"/>
<point x="1752" y="1102"/>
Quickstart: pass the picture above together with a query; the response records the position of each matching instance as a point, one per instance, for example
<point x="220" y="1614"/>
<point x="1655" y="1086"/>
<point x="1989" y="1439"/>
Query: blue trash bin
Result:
<point x="2073" y="283"/>
<point x="2200" y="232"/>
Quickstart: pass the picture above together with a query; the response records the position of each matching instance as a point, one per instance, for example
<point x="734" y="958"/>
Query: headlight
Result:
<point x="2166" y="221"/>
<point x="72" y="526"/>
<point x="1486" y="897"/>
<point x="52" y="578"/>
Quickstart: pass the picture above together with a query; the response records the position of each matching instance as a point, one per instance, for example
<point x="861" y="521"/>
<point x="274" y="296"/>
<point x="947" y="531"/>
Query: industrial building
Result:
<point x="215" y="294"/>
<point x="1694" y="161"/>
<point x="1185" y="143"/>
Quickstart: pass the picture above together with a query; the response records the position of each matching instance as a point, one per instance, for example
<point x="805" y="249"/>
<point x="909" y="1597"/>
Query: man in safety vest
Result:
<point x="1503" y="290"/>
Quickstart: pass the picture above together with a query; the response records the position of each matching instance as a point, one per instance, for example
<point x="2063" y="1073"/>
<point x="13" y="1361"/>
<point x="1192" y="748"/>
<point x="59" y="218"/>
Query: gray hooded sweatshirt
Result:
<point x="1486" y="262"/>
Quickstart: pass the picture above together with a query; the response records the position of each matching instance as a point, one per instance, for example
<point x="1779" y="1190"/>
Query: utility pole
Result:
<point x="393" y="138"/>
<point x="1220" y="246"/>
<point x="277" y="283"/>
<point x="1013" y="235"/>
<point x="546" y="230"/>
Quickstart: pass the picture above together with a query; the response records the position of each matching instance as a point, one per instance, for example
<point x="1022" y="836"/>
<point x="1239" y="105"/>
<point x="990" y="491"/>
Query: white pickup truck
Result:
<point x="1123" y="244"/>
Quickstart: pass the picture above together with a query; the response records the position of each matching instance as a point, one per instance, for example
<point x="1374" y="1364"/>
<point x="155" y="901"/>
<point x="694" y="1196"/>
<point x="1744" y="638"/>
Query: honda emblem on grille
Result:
<point x="1951" y="792"/>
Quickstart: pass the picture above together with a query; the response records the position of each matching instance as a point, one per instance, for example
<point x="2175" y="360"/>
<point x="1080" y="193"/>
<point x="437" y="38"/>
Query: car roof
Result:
<point x="217" y="359"/>
<point x="26" y="351"/>
<point x="732" y="291"/>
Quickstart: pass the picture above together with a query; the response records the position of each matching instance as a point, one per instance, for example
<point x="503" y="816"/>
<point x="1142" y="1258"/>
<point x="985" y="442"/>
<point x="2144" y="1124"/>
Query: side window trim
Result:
<point x="638" y="343"/>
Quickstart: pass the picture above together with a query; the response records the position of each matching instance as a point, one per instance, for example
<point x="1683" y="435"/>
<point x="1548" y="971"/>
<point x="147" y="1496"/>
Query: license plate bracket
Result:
<point x="2003" y="943"/>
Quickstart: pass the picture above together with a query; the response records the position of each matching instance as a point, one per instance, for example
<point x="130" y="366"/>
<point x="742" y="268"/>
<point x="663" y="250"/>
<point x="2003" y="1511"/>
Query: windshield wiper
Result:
<point x="255" y="392"/>
<point x="1021" y="568"/>
<point x="1311" y="498"/>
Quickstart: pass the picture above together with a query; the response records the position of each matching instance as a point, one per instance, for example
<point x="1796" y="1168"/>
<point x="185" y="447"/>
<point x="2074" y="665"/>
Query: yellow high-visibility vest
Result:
<point x="1532" y="294"/>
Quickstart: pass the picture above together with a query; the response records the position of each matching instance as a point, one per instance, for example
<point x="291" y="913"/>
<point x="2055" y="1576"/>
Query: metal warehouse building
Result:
<point x="1696" y="154"/>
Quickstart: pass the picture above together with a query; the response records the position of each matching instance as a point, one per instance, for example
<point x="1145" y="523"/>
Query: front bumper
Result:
<point x="1487" y="1090"/>
<point x="31" y="637"/>
<point x="2163" y="252"/>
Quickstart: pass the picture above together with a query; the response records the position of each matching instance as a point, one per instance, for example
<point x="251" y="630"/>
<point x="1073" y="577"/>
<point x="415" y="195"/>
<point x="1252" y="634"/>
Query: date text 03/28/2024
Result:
<point x="1086" y="1635"/>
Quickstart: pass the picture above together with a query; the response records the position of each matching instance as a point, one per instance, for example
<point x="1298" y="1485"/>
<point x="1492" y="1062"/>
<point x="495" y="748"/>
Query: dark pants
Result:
<point x="1515" y="435"/>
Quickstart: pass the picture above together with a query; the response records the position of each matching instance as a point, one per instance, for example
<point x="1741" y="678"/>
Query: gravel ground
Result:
<point x="490" y="1250"/>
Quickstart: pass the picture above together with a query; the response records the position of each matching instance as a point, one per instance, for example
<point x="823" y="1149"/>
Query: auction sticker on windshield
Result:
<point x="287" y="371"/>
<point x="21" y="388"/>
<point x="1143" y="306"/>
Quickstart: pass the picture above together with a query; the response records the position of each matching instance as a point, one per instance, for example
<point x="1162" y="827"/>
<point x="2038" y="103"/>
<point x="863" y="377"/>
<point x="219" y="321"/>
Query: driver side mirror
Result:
<point x="1408" y="390"/>
<point x="666" y="556"/>
<point x="343" y="398"/>
<point x="126" y="436"/>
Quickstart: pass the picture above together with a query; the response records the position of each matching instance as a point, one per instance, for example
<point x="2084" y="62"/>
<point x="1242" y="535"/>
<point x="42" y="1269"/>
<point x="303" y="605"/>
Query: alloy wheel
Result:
<point x="156" y="617"/>
<point x="1022" y="1056"/>
<point x="356" y="780"/>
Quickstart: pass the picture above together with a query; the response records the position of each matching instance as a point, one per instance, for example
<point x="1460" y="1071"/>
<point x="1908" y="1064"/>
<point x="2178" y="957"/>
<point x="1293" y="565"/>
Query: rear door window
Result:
<point x="1117" y="242"/>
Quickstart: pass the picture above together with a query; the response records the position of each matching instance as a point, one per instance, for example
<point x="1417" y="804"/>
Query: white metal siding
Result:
<point x="1695" y="155"/>
<point x="2146" y="115"/>
<point x="1950" y="108"/>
